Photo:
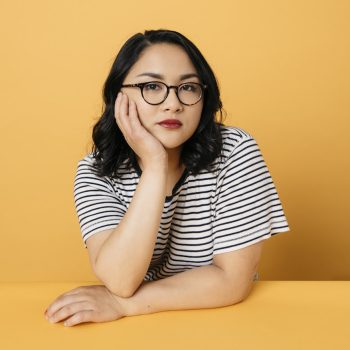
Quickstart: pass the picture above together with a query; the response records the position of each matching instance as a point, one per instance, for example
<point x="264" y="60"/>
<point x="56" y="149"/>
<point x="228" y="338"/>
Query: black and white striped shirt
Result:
<point x="208" y="214"/>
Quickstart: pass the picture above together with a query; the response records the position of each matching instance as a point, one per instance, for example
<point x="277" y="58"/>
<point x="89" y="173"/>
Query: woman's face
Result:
<point x="170" y="62"/>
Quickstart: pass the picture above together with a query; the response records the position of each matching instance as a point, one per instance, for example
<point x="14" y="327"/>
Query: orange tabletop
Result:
<point x="276" y="315"/>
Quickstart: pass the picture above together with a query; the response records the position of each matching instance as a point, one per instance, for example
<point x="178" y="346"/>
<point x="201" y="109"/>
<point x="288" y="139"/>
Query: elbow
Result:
<point x="237" y="298"/>
<point x="246" y="292"/>
<point x="239" y="290"/>
<point x="119" y="291"/>
<point x="119" y="288"/>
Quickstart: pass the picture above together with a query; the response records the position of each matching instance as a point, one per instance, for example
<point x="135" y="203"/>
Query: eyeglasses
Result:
<point x="156" y="92"/>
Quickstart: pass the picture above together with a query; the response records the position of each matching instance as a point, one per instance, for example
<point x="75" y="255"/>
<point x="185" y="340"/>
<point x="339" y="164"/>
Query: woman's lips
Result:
<point x="170" y="123"/>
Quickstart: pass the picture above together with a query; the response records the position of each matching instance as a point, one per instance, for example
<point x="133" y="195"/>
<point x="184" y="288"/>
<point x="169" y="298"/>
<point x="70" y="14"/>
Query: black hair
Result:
<point x="110" y="148"/>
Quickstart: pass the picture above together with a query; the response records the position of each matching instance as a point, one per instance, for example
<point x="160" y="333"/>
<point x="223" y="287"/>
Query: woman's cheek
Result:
<point x="146" y="115"/>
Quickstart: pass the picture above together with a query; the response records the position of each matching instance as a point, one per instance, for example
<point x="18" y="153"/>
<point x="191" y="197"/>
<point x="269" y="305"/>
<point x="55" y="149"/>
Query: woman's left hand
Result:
<point x="86" y="304"/>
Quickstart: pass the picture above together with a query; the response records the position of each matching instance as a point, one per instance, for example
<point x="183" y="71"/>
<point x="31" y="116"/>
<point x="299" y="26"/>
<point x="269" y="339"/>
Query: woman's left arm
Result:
<point x="229" y="280"/>
<point x="201" y="287"/>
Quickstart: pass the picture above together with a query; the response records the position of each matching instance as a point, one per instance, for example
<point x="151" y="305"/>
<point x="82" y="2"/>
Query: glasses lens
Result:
<point x="190" y="93"/>
<point x="154" y="92"/>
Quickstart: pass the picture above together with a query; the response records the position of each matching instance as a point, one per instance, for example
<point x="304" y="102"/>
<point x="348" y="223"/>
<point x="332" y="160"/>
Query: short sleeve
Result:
<point x="97" y="206"/>
<point x="247" y="208"/>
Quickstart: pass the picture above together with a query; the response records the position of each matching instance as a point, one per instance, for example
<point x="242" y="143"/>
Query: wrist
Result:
<point x="128" y="305"/>
<point x="157" y="167"/>
<point x="122" y="304"/>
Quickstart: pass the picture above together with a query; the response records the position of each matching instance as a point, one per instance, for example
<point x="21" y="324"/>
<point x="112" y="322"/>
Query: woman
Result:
<point x="169" y="196"/>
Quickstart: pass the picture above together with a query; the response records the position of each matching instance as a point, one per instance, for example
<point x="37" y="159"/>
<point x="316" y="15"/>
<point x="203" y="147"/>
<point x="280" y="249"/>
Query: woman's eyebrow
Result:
<point x="159" y="76"/>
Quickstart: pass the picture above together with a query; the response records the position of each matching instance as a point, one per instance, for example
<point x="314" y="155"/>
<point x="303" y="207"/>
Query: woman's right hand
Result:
<point x="144" y="144"/>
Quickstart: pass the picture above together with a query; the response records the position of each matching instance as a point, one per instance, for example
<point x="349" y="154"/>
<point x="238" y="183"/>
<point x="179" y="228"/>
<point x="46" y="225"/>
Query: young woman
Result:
<point x="173" y="205"/>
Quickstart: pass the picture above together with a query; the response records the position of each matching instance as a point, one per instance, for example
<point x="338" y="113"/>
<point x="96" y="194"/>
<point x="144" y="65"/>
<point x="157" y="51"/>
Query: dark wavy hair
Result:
<point x="110" y="148"/>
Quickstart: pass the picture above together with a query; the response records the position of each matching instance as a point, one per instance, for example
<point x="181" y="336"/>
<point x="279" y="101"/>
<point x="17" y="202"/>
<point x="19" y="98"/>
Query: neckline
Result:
<point x="177" y="185"/>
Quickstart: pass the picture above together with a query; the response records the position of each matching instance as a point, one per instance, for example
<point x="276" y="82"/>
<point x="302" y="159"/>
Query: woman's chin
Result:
<point x="169" y="143"/>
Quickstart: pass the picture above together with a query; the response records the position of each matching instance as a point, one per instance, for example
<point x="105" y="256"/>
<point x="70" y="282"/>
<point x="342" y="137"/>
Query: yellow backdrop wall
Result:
<point x="283" y="70"/>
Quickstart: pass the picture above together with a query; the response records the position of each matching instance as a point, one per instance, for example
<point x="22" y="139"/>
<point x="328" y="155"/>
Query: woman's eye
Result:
<point x="189" y="87"/>
<point x="152" y="86"/>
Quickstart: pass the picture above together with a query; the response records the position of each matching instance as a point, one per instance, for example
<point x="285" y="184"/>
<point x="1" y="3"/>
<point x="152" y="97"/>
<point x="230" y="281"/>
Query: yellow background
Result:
<point x="283" y="70"/>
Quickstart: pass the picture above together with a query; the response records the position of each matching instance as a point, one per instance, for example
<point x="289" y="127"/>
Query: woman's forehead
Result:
<point x="162" y="76"/>
<point x="163" y="60"/>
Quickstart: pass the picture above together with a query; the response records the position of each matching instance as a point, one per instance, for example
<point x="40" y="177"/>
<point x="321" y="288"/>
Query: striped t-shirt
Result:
<point x="211" y="213"/>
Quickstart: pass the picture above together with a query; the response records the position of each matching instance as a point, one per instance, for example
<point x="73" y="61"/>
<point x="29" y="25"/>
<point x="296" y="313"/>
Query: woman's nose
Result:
<point x="172" y="101"/>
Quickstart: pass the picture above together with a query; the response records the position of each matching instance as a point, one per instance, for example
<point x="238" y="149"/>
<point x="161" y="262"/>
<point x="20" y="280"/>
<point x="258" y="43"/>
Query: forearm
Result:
<point x="124" y="257"/>
<point x="197" y="288"/>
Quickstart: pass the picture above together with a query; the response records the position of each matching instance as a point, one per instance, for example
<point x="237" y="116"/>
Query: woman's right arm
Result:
<point x="124" y="257"/>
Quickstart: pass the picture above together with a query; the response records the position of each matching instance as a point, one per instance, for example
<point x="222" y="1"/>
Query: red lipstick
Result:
<point x="170" y="123"/>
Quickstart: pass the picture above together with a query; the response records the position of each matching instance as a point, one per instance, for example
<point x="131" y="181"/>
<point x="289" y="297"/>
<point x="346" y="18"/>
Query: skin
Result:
<point x="170" y="61"/>
<point x="153" y="145"/>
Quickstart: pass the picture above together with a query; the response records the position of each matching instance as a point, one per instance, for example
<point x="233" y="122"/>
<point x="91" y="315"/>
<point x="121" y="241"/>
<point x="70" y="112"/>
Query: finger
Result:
<point x="80" y="317"/>
<point x="124" y="105"/>
<point x="69" y="310"/>
<point x="117" y="109"/>
<point x="117" y="104"/>
<point x="135" y="123"/>
<point x="74" y="291"/>
<point x="70" y="292"/>
<point x="133" y="116"/>
<point x="123" y="115"/>
<point x="63" y="300"/>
